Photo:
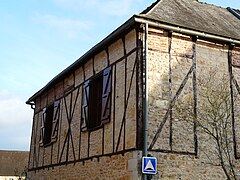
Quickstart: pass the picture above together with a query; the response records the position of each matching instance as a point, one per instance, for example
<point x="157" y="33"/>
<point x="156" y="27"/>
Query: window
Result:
<point x="49" y="124"/>
<point x="96" y="101"/>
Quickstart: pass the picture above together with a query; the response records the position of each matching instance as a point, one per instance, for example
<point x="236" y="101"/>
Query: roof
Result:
<point x="189" y="14"/>
<point x="13" y="163"/>
<point x="195" y="15"/>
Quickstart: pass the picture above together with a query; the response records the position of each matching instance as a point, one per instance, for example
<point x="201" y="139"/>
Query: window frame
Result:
<point x="49" y="124"/>
<point x="95" y="89"/>
<point x="103" y="78"/>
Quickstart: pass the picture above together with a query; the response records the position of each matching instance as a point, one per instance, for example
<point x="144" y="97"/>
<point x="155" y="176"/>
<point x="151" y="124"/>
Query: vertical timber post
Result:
<point x="145" y="96"/>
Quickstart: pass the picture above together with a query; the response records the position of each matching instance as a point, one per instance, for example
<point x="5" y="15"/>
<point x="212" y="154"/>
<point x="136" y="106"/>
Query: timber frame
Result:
<point x="169" y="112"/>
<point x="67" y="151"/>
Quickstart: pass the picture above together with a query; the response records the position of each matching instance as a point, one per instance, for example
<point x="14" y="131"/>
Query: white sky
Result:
<point x="40" y="38"/>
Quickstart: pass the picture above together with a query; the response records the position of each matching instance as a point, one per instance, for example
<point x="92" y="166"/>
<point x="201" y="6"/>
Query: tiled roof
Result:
<point x="13" y="163"/>
<point x="195" y="15"/>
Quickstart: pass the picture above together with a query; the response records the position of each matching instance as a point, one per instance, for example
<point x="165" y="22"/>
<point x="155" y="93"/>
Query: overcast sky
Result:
<point x="40" y="38"/>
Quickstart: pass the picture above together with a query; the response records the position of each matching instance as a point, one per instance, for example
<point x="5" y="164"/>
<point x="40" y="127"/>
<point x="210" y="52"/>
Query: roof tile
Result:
<point x="195" y="15"/>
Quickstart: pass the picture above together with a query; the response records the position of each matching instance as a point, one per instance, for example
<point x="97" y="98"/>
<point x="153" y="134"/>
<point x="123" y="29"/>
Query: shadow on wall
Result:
<point x="179" y="74"/>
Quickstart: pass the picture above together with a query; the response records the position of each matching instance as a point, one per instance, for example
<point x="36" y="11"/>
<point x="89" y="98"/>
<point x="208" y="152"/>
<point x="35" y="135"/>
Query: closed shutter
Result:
<point x="55" y="122"/>
<point x="106" y="95"/>
<point x="85" y="106"/>
<point x="42" y="128"/>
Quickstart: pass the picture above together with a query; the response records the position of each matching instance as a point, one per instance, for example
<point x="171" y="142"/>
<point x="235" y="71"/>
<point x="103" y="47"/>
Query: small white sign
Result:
<point x="149" y="165"/>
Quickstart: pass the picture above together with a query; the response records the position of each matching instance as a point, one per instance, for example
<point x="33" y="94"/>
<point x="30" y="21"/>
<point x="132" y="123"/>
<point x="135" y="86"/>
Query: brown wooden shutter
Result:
<point x="106" y="95"/>
<point x="85" y="106"/>
<point x="42" y="128"/>
<point x="55" y="122"/>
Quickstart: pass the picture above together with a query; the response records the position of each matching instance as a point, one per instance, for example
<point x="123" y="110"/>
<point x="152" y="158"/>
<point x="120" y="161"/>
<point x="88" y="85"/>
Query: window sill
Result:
<point x="48" y="144"/>
<point x="95" y="128"/>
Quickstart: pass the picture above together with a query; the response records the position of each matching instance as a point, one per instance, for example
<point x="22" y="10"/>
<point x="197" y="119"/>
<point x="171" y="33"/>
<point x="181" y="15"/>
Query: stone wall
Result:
<point x="236" y="89"/>
<point x="169" y="63"/>
<point x="115" y="167"/>
<point x="177" y="67"/>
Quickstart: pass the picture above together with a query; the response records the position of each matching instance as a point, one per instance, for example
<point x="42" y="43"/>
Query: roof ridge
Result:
<point x="201" y="2"/>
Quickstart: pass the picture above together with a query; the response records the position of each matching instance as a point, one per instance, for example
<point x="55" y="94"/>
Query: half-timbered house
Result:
<point x="90" y="120"/>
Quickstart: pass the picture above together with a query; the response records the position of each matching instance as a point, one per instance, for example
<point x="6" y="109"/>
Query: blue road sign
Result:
<point x="149" y="165"/>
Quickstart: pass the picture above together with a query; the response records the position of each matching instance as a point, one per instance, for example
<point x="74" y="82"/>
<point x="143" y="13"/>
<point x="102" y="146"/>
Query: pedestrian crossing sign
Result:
<point x="149" y="165"/>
